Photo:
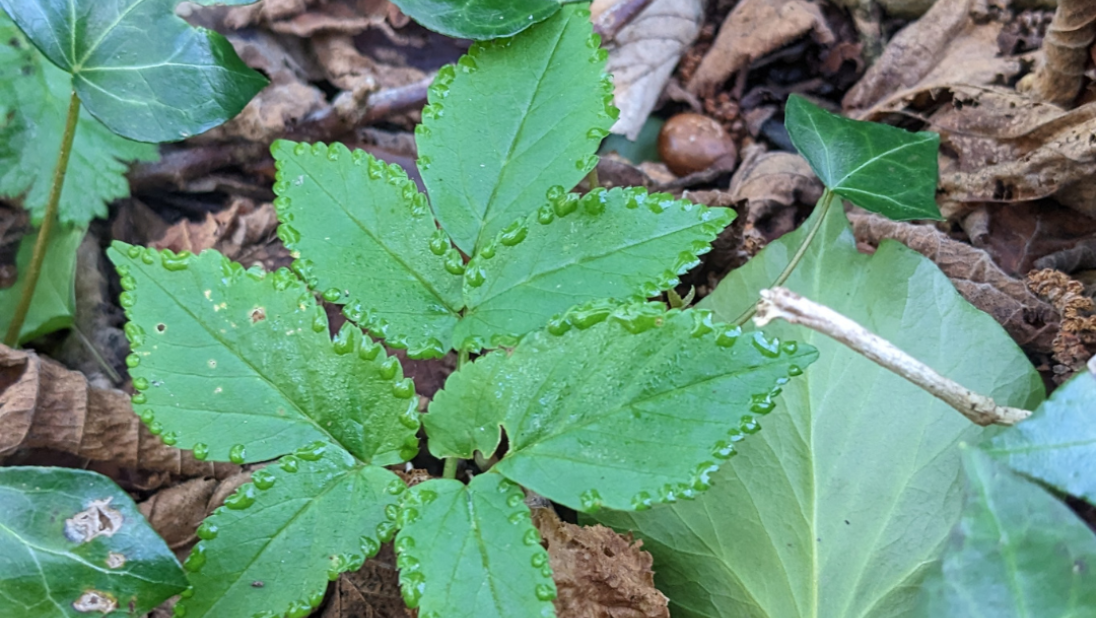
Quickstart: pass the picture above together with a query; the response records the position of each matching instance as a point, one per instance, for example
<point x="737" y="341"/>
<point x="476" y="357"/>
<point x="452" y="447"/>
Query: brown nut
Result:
<point x="691" y="143"/>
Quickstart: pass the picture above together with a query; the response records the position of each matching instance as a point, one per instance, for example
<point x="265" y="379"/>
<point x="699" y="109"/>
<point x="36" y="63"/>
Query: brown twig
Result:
<point x="1060" y="73"/>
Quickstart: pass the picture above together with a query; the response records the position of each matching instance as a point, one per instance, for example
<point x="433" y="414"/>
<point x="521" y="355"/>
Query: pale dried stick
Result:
<point x="783" y="304"/>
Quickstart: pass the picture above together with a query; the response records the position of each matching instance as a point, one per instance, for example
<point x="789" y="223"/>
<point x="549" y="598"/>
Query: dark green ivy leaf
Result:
<point x="478" y="19"/>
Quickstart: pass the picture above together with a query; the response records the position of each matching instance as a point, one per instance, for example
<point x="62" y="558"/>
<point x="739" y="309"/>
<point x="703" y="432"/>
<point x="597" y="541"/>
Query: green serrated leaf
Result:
<point x="877" y="167"/>
<point x="618" y="244"/>
<point x="477" y="19"/>
<point x="646" y="419"/>
<point x="471" y="551"/>
<point x="512" y="119"/>
<point x="54" y="303"/>
<point x="839" y="506"/>
<point x="1057" y="445"/>
<point x="238" y="365"/>
<point x="74" y="544"/>
<point x="33" y="103"/>
<point x="1016" y="552"/>
<point x="138" y="67"/>
<point x="370" y="243"/>
<point x="275" y="544"/>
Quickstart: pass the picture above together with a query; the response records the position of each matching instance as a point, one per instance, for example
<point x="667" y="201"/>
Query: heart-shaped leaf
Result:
<point x="471" y="551"/>
<point x="846" y="497"/>
<point x="275" y="544"/>
<point x="74" y="544"/>
<point x="238" y="365"/>
<point x="1016" y="552"/>
<point x="646" y="419"/>
<point x="478" y="19"/>
<point x="875" y="166"/>
<point x="54" y="302"/>
<point x="138" y="67"/>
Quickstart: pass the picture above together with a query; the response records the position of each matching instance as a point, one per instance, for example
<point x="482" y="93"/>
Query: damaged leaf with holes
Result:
<point x="74" y="544"/>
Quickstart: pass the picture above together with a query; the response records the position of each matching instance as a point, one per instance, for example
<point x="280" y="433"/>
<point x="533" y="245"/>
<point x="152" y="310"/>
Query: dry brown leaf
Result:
<point x="175" y="512"/>
<point x="947" y="46"/>
<point x="1061" y="70"/>
<point x="752" y="30"/>
<point x="370" y="592"/>
<point x="895" y="8"/>
<point x="1030" y="321"/>
<point x="643" y="54"/>
<point x="1017" y="235"/>
<point x="233" y="231"/>
<point x="599" y="573"/>
<point x="303" y="18"/>
<point x="45" y="406"/>
<point x="1077" y="338"/>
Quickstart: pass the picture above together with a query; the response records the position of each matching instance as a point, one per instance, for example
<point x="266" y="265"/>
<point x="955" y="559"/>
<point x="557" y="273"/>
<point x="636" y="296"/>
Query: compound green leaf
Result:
<point x="272" y="548"/>
<point x="54" y="302"/>
<point x="645" y="419"/>
<point x="1057" y="445"/>
<point x="880" y="168"/>
<point x="512" y="119"/>
<point x="238" y="365"/>
<point x="370" y="243"/>
<point x="842" y="502"/>
<point x="1016" y="552"/>
<point x="73" y="544"/>
<point x="138" y="67"/>
<point x="34" y="98"/>
<point x="471" y="551"/>
<point x="610" y="244"/>
<point x="478" y="19"/>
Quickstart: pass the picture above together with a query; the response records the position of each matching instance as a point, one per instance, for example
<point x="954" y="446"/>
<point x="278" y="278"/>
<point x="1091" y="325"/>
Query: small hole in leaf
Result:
<point x="258" y="314"/>
<point x="161" y="327"/>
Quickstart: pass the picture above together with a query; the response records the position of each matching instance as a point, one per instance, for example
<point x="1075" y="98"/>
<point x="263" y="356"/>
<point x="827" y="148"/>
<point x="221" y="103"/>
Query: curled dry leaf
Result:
<point x="643" y="54"/>
<point x="1076" y="339"/>
<point x="1061" y="70"/>
<point x="43" y="405"/>
<point x="752" y="30"/>
<point x="599" y="573"/>
<point x="1030" y="321"/>
<point x="304" y="18"/>
<point x="243" y="232"/>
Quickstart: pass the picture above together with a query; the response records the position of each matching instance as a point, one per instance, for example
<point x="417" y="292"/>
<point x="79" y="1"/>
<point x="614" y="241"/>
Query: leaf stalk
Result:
<point x="11" y="339"/>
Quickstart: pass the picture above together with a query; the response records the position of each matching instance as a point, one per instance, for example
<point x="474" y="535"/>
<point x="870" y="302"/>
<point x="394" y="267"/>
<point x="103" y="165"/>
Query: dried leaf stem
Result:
<point x="782" y="303"/>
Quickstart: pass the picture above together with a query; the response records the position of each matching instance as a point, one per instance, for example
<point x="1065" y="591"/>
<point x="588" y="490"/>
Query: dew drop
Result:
<point x="170" y="438"/>
<point x="513" y="234"/>
<point x="558" y="326"/>
<point x="790" y="347"/>
<point x="566" y="205"/>
<point x="386" y="530"/>
<point x="723" y="450"/>
<point x="242" y="499"/>
<point x="545" y="214"/>
<point x="370" y="349"/>
<point x="590" y="500"/>
<point x="312" y="451"/>
<point x="539" y="560"/>
<point x="207" y="531"/>
<point x="475" y="275"/>
<point x="140" y="383"/>
<point x="263" y="479"/>
<point x="795" y="370"/>
<point x="318" y="149"/>
<point x="467" y="64"/>
<point x="134" y="252"/>
<point x="587" y="163"/>
<point x="139" y="399"/>
<point x="728" y="337"/>
<point x="531" y="536"/>
<point x="488" y="250"/>
<point x="412" y="586"/>
<point x="332" y="295"/>
<point x="345" y="339"/>
<point x="515" y="500"/>
<point x="749" y="425"/>
<point x="761" y="404"/>
<point x="288" y="234"/>
<point x="237" y="454"/>
<point x="546" y="592"/>
<point x="424" y="161"/>
<point x="555" y="193"/>
<point x="146" y="416"/>
<point x="298" y="609"/>
<point x="389" y="368"/>
<point x="403" y="389"/>
<point x="289" y="463"/>
<point x="642" y="501"/>
<point x="369" y="545"/>
<point x="768" y="348"/>
<point x="127" y="299"/>
<point x="128" y="283"/>
<point x="454" y="263"/>
<point x="597" y="133"/>
<point x="408" y="515"/>
<point x="148" y="255"/>
<point x="518" y="517"/>
<point x="333" y="152"/>
<point x="196" y="560"/>
<point x="396" y="487"/>
<point x="132" y="360"/>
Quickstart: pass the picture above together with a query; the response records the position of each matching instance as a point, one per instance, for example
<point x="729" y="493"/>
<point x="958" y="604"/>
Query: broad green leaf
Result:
<point x="843" y="501"/>
<point x="610" y="244"/>
<point x="875" y="166"/>
<point x="33" y="103"/>
<point x="1057" y="445"/>
<point x="510" y="121"/>
<point x="275" y="544"/>
<point x="54" y="302"/>
<point x="478" y="19"/>
<point x="633" y="406"/>
<point x="369" y="242"/>
<point x="471" y="551"/>
<point x="238" y="365"/>
<point x="1016" y="552"/>
<point x="138" y="67"/>
<point x="73" y="544"/>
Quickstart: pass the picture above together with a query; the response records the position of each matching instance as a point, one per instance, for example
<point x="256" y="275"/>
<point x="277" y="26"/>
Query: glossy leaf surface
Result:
<point x="846" y="497"/>
<point x="74" y="544"/>
<point x="238" y="365"/>
<point x="1057" y="445"/>
<point x="618" y="244"/>
<point x="34" y="98"/>
<point x="279" y="539"/>
<point x="54" y="302"/>
<point x="471" y="551"/>
<point x="477" y="19"/>
<point x="368" y="241"/>
<point x="1016" y="552"/>
<point x="509" y="121"/>
<point x="645" y="419"/>
<point x="875" y="166"/>
<point x="138" y="67"/>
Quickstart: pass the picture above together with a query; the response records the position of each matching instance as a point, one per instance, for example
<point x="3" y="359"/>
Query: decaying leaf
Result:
<point x="43" y="405"/>
<point x="753" y="29"/>
<point x="1018" y="236"/>
<point x="1030" y="321"/>
<point x="175" y="512"/>
<point x="304" y="18"/>
<point x="1061" y="70"/>
<point x="643" y="54"/>
<point x="98" y="519"/>
<point x="599" y="573"/>
<point x="237" y="232"/>
<point x="1076" y="339"/>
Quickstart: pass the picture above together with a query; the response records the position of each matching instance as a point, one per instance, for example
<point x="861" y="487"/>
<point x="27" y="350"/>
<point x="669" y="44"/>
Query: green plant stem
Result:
<point x="450" y="470"/>
<point x="824" y="206"/>
<point x="11" y="339"/>
<point x="592" y="178"/>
